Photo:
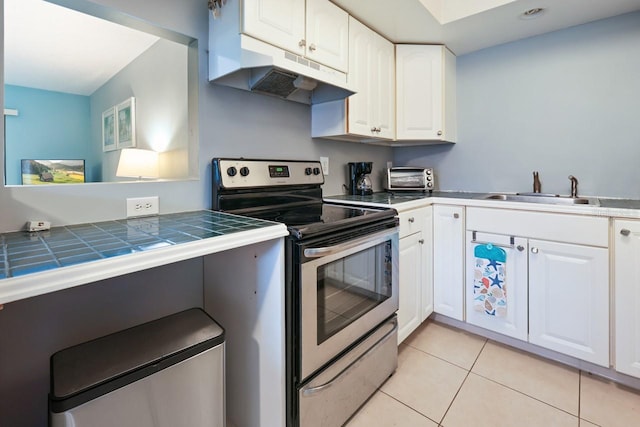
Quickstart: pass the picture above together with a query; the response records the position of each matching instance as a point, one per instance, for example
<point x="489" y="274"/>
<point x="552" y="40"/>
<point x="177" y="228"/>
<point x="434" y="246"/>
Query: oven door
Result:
<point x="346" y="290"/>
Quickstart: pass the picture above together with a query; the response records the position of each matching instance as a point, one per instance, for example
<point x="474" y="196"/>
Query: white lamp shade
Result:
<point x="135" y="162"/>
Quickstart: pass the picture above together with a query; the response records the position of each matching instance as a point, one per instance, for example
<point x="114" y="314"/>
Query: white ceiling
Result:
<point x="465" y="28"/>
<point x="45" y="43"/>
<point x="54" y="48"/>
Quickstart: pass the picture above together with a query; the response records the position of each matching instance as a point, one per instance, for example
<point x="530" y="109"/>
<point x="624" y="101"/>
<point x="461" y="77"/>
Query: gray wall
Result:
<point x="32" y="330"/>
<point x="158" y="81"/>
<point x="231" y="123"/>
<point x="563" y="103"/>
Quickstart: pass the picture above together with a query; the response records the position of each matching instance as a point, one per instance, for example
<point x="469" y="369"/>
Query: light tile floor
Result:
<point x="448" y="377"/>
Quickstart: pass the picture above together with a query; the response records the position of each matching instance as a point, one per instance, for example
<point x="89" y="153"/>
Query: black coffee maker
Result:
<point x="359" y="181"/>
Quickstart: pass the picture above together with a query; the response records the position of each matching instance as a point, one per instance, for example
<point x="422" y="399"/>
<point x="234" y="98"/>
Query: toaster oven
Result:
<point x="410" y="179"/>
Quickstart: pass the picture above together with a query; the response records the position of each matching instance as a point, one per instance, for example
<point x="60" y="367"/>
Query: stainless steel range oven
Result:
<point x="341" y="284"/>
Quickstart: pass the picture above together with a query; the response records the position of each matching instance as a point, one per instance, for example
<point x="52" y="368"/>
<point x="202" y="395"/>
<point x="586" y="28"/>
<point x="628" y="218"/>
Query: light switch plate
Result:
<point x="324" y="162"/>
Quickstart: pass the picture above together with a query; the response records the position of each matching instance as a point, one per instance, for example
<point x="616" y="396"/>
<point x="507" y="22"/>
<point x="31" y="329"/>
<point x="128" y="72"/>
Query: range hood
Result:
<point x="246" y="63"/>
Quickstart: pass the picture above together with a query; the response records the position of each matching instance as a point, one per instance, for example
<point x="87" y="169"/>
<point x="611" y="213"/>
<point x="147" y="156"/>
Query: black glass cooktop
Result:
<point x="318" y="218"/>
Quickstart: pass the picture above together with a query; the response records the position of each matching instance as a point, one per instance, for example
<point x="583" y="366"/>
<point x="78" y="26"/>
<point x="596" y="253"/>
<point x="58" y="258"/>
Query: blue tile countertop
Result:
<point x="124" y="242"/>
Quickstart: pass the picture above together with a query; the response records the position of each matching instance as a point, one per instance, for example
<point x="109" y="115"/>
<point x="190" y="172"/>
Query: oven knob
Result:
<point x="244" y="171"/>
<point x="316" y="171"/>
<point x="307" y="171"/>
<point x="429" y="184"/>
<point x="232" y="171"/>
<point x="429" y="178"/>
<point x="428" y="171"/>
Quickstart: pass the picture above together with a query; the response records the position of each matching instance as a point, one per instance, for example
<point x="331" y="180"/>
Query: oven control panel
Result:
<point x="245" y="173"/>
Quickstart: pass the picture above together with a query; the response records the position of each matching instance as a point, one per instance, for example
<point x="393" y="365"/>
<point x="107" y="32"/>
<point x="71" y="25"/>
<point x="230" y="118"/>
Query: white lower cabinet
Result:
<point x="496" y="291"/>
<point x="627" y="296"/>
<point x="567" y="282"/>
<point x="415" y="287"/>
<point x="448" y="260"/>
<point x="409" y="301"/>
<point x="569" y="299"/>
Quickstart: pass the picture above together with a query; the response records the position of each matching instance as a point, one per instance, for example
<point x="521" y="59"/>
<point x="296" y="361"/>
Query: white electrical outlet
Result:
<point x="143" y="206"/>
<point x="324" y="162"/>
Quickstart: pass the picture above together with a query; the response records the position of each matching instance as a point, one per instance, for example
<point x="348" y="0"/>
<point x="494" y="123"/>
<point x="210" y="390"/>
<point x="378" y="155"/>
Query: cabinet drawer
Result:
<point x="578" y="229"/>
<point x="412" y="221"/>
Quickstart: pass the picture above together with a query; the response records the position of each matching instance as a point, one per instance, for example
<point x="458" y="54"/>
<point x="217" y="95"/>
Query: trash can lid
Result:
<point x="110" y="362"/>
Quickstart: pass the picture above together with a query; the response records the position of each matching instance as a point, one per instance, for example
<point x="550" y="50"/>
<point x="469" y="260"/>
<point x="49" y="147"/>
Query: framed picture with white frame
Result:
<point x="109" y="129"/>
<point x="126" y="124"/>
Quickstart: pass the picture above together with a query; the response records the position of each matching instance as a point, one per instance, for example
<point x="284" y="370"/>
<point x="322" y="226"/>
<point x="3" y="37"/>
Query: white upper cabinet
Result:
<point x="368" y="115"/>
<point x="279" y="22"/>
<point x="627" y="296"/>
<point x="320" y="33"/>
<point x="327" y="38"/>
<point x="426" y="91"/>
<point x="371" y="70"/>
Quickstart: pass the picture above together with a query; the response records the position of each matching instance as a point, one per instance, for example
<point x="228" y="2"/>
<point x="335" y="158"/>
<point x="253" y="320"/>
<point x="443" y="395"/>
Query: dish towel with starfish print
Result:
<point x="489" y="283"/>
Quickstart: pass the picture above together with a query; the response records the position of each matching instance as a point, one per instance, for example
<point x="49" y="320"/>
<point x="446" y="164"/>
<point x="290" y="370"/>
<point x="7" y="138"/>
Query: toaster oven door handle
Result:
<point x="330" y="250"/>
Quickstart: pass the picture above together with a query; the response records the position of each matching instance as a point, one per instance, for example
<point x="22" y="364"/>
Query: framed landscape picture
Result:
<point x="37" y="172"/>
<point x="109" y="129"/>
<point x="126" y="124"/>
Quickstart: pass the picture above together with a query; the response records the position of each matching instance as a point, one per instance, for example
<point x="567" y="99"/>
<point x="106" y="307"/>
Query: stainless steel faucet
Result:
<point x="574" y="186"/>
<point x="536" y="182"/>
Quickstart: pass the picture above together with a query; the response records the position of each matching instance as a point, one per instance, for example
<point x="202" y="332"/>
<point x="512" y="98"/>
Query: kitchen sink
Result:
<point x="552" y="199"/>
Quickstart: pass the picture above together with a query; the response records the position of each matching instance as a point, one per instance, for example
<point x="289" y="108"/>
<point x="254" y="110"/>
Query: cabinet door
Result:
<point x="360" y="120"/>
<point x="427" y="262"/>
<point x="382" y="72"/>
<point x="371" y="111"/>
<point x="419" y="85"/>
<point x="409" y="293"/>
<point x="496" y="292"/>
<point x="327" y="34"/>
<point x="279" y="22"/>
<point x="627" y="296"/>
<point x="569" y="299"/>
<point x="448" y="261"/>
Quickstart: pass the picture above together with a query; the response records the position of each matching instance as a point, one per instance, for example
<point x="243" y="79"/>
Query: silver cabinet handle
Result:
<point x="302" y="43"/>
<point x="625" y="232"/>
<point x="520" y="248"/>
<point x="412" y="219"/>
<point x="534" y="250"/>
<point x="456" y="215"/>
<point x="439" y="133"/>
<point x="312" y="47"/>
<point x="421" y="241"/>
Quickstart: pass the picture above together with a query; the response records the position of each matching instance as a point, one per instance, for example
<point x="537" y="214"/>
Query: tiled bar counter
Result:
<point x="75" y="283"/>
<point x="37" y="263"/>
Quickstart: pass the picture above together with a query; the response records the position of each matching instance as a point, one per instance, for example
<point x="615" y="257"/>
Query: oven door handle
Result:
<point x="317" y="389"/>
<point x="330" y="250"/>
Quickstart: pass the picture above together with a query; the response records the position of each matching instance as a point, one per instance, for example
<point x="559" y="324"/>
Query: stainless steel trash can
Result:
<point x="165" y="373"/>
